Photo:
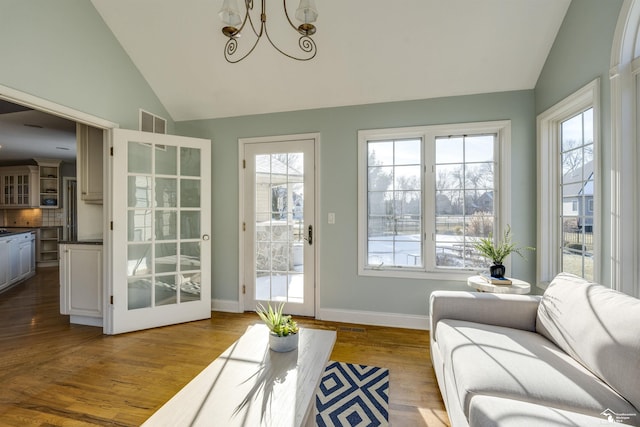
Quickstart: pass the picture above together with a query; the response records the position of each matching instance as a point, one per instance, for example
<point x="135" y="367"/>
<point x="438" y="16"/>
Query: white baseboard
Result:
<point x="375" y="318"/>
<point x="229" y="306"/>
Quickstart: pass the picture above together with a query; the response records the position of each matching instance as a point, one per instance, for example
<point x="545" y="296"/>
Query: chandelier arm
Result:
<point x="305" y="43"/>
<point x="287" y="15"/>
<point x="248" y="4"/>
<point x="230" y="49"/>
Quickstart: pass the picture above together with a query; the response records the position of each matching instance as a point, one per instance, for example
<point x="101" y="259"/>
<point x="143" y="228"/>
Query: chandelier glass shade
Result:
<point x="235" y="23"/>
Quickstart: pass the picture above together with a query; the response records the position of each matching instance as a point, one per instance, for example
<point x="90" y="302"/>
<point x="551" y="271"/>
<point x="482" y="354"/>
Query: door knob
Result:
<point x="205" y="237"/>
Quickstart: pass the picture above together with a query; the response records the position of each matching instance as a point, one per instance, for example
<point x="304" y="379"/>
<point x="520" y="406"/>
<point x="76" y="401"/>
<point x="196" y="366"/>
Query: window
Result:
<point x="568" y="181"/>
<point x="577" y="185"/>
<point x="426" y="194"/>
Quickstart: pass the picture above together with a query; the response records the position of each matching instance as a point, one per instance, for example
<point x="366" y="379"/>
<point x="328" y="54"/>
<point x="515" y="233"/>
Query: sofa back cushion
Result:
<point x="597" y="326"/>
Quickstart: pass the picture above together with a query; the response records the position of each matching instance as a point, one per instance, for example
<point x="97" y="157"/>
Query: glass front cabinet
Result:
<point x="19" y="186"/>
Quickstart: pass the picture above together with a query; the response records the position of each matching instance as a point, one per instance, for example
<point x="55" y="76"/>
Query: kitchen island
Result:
<point x="81" y="291"/>
<point x="17" y="256"/>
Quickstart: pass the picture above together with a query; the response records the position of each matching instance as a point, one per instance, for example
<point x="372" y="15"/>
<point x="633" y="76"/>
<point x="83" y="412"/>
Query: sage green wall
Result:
<point x="341" y="287"/>
<point x="62" y="51"/>
<point x="580" y="54"/>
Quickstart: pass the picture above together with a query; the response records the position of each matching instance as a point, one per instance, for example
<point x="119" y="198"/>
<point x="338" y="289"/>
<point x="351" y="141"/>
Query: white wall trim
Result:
<point x="242" y="143"/>
<point x="393" y="320"/>
<point x="549" y="205"/>
<point x="59" y="110"/>
<point x="228" y="306"/>
<point x="428" y="134"/>
<point x="22" y="98"/>
<point x="625" y="208"/>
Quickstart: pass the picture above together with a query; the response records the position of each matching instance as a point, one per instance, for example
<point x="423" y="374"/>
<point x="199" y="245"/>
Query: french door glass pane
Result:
<point x="189" y="161"/>
<point x="279" y="214"/>
<point x="164" y="213"/>
<point x="166" y="160"/>
<point x="139" y="157"/>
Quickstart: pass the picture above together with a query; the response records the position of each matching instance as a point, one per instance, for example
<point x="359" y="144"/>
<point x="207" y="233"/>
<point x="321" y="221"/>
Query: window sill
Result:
<point x="400" y="273"/>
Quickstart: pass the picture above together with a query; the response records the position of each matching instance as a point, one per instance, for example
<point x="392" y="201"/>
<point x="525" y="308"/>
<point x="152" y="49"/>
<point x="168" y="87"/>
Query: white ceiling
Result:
<point x="369" y="51"/>
<point x="25" y="135"/>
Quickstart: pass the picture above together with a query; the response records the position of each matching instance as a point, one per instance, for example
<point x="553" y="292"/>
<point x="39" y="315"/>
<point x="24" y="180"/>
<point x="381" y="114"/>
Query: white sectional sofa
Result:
<point x="570" y="357"/>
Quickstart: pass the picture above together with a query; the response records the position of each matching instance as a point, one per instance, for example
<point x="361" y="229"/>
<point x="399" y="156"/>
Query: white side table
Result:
<point x="516" y="287"/>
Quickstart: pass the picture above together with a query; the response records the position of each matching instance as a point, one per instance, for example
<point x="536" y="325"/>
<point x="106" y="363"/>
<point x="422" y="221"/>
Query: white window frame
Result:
<point x="428" y="134"/>
<point x="549" y="246"/>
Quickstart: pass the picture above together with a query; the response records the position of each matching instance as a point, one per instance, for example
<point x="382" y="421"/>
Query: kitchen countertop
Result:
<point x="81" y="242"/>
<point x="10" y="231"/>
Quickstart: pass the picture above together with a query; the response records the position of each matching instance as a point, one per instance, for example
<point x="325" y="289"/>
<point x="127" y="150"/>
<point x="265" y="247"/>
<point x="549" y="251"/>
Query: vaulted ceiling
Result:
<point x="369" y="51"/>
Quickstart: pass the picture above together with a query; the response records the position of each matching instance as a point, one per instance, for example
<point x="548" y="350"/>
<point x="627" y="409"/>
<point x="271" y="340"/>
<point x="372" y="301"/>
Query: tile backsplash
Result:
<point x="31" y="217"/>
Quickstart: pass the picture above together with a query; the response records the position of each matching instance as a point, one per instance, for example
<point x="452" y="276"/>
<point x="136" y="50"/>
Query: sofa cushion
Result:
<point x="490" y="411"/>
<point x="597" y="326"/>
<point x="504" y="362"/>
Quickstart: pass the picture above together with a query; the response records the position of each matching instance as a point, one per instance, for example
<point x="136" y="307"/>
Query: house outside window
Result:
<point x="568" y="182"/>
<point x="426" y="194"/>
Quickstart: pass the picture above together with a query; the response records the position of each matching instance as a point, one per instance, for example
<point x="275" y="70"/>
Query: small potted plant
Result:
<point x="498" y="251"/>
<point x="283" y="330"/>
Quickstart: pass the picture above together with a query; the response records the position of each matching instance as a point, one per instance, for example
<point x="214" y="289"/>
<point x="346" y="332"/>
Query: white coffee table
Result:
<point x="250" y="385"/>
<point x="516" y="287"/>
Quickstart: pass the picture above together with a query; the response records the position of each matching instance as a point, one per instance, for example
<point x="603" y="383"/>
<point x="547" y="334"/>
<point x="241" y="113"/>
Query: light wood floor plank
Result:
<point x="56" y="374"/>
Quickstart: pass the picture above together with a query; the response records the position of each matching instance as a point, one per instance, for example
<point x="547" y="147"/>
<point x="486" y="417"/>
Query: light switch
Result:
<point x="331" y="218"/>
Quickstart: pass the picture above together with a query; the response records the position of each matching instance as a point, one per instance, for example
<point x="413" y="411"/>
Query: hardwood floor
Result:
<point x="56" y="374"/>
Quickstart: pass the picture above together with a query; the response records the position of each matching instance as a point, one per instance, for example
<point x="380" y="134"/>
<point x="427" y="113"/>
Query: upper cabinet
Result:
<point x="90" y="145"/>
<point x="49" y="180"/>
<point x="19" y="187"/>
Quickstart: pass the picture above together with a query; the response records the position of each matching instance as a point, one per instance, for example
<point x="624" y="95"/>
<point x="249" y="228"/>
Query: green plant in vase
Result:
<point x="283" y="329"/>
<point x="497" y="251"/>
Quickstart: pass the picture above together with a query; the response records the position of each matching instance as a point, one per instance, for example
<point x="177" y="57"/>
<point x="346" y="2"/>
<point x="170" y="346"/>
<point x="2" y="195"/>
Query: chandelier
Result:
<point x="234" y="24"/>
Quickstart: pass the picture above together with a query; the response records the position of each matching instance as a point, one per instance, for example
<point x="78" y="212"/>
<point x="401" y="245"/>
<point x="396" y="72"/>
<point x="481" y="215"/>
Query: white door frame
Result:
<point x="242" y="142"/>
<point x="46" y="106"/>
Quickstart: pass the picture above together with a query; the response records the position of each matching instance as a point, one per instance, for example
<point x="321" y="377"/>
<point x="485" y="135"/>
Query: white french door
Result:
<point x="279" y="224"/>
<point x="161" y="251"/>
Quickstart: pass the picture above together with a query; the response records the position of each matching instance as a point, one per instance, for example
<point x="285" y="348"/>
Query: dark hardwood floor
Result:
<point x="53" y="373"/>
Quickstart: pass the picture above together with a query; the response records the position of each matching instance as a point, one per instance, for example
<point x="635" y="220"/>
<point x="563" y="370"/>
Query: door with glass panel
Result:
<point x="279" y="225"/>
<point x="161" y="221"/>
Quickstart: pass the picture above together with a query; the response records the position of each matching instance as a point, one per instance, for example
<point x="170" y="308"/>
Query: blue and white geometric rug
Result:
<point x="353" y="395"/>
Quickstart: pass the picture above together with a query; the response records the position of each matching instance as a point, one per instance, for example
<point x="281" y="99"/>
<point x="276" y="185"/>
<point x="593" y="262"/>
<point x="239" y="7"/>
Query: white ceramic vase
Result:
<point x="283" y="344"/>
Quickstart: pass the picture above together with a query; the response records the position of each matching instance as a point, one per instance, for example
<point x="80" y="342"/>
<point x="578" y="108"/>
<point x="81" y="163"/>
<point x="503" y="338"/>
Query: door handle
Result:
<point x="310" y="235"/>
<point x="205" y="237"/>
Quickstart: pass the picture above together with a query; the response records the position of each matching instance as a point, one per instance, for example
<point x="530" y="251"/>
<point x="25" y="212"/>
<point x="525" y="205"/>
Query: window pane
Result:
<point x="449" y="150"/>
<point x="479" y="175"/>
<point x="394" y="200"/>
<point x="449" y="176"/>
<point x="381" y="153"/>
<point x="407" y="178"/>
<point x="380" y="178"/>
<point x="407" y="152"/>
<point x="577" y="189"/>
<point x="464" y="203"/>
<point x="479" y="148"/>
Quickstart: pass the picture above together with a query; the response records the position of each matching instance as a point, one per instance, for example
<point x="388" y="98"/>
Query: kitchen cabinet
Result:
<point x="49" y="183"/>
<point x="4" y="263"/>
<point x="19" y="186"/>
<point x="81" y="283"/>
<point x="48" y="238"/>
<point x="16" y="258"/>
<point x="90" y="146"/>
